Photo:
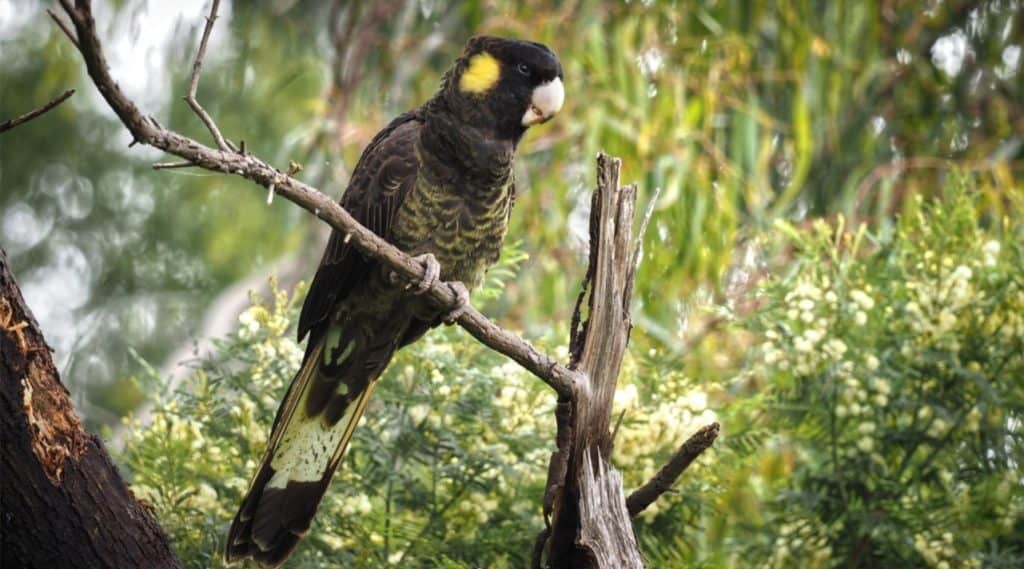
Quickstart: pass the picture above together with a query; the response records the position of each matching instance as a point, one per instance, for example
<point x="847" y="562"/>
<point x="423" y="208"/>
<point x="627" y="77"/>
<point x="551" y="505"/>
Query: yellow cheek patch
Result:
<point x="481" y="75"/>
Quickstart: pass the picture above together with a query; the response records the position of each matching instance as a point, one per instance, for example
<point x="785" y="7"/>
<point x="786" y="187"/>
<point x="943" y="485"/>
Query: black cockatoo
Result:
<point x="437" y="183"/>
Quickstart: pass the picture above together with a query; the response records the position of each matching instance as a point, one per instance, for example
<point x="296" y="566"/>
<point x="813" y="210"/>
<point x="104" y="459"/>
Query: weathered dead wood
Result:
<point x="606" y="533"/>
<point x="681" y="459"/>
<point x="590" y="526"/>
<point x="63" y="503"/>
<point x="590" y="516"/>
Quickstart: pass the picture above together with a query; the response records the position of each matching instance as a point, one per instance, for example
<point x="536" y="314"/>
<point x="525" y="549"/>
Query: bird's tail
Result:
<point x="311" y="432"/>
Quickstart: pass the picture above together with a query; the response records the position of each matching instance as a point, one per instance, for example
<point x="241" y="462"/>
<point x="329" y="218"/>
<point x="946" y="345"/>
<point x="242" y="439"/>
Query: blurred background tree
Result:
<point x="742" y="113"/>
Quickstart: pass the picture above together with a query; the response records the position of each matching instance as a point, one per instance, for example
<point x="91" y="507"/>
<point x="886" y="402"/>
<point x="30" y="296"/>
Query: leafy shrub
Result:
<point x="447" y="468"/>
<point x="875" y="424"/>
<point x="896" y="365"/>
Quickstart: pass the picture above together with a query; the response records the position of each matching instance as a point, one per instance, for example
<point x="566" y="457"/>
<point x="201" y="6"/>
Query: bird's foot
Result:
<point x="461" y="302"/>
<point x="431" y="272"/>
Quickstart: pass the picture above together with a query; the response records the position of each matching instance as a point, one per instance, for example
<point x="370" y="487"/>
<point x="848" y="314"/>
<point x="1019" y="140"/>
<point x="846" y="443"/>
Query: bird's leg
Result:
<point x="461" y="302"/>
<point x="431" y="272"/>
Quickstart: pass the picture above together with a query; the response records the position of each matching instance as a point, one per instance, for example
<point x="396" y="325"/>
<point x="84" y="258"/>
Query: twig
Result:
<point x="170" y="165"/>
<point x="64" y="27"/>
<point x="8" y="125"/>
<point x="563" y="380"/>
<point x="644" y="496"/>
<point x="618" y="424"/>
<point x="638" y="250"/>
<point x="648" y="214"/>
<point x="709" y="327"/>
<point x="193" y="85"/>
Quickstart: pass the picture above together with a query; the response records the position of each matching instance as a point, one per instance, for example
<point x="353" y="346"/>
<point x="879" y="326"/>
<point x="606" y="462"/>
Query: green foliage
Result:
<point x="876" y="424"/>
<point x="895" y="365"/>
<point x="447" y="467"/>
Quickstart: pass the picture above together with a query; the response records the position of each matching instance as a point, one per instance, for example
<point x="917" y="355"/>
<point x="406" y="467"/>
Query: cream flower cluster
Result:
<point x="896" y="361"/>
<point x="651" y="430"/>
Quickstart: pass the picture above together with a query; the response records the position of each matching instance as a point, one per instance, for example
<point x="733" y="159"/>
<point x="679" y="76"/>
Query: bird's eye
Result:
<point x="524" y="69"/>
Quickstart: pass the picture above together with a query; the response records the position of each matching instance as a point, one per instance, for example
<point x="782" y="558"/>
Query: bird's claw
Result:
<point x="431" y="273"/>
<point x="461" y="302"/>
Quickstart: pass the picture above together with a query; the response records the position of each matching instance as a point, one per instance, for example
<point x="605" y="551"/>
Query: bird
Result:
<point x="437" y="182"/>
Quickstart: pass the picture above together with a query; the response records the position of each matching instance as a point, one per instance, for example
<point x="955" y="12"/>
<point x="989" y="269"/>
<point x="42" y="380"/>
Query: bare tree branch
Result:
<point x="64" y="27"/>
<point x="580" y="535"/>
<point x="173" y="165"/>
<point x="9" y="124"/>
<point x="645" y="495"/>
<point x="563" y="380"/>
<point x="193" y="85"/>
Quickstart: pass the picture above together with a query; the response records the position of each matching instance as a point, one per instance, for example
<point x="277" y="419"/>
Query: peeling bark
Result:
<point x="591" y="528"/>
<point x="591" y="525"/>
<point x="62" y="501"/>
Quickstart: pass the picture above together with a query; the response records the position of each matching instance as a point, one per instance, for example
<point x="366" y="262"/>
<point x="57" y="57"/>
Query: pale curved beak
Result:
<point x="546" y="101"/>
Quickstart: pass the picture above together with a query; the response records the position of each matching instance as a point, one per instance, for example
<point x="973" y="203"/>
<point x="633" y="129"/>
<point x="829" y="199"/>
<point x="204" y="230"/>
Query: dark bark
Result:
<point x="62" y="501"/>
<point x="667" y="476"/>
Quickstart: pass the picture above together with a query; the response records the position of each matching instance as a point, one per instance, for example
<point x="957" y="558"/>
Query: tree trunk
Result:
<point x="62" y="501"/>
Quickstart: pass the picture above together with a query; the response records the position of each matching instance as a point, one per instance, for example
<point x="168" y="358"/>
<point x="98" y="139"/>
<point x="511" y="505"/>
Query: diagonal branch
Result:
<point x="563" y="380"/>
<point x="9" y="124"/>
<point x="63" y="27"/>
<point x="193" y="85"/>
<point x="662" y="481"/>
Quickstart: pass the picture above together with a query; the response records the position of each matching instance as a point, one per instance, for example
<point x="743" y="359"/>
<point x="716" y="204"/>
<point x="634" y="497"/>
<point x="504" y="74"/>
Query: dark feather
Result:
<point x="272" y="519"/>
<point x="382" y="179"/>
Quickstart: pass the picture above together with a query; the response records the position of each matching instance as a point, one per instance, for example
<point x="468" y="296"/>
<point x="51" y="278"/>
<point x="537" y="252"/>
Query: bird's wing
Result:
<point x="385" y="173"/>
<point x="315" y="421"/>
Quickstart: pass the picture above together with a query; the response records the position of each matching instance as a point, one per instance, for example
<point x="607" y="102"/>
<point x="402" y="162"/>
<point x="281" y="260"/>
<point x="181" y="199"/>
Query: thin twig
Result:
<point x="64" y="27"/>
<point x="896" y="168"/>
<point x="193" y="85"/>
<point x="667" y="476"/>
<point x="638" y="250"/>
<point x="708" y="328"/>
<point x="171" y="165"/>
<point x="8" y="125"/>
<point x="618" y="423"/>
<point x="648" y="214"/>
<point x="563" y="380"/>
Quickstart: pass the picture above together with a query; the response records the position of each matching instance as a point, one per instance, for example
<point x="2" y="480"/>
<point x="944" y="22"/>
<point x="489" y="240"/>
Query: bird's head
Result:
<point x="514" y="83"/>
